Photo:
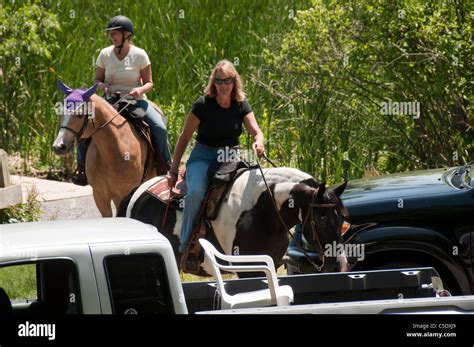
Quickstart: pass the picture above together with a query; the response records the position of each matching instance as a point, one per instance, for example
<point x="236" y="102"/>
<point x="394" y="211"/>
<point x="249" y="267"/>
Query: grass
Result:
<point x="182" y="43"/>
<point x="185" y="277"/>
<point x="19" y="282"/>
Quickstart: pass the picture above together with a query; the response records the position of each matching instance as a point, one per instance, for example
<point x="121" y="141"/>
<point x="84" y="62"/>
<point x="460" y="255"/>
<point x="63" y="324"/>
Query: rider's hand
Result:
<point x="171" y="177"/>
<point x="259" y="148"/>
<point x="107" y="88"/>
<point x="135" y="92"/>
<point x="104" y="86"/>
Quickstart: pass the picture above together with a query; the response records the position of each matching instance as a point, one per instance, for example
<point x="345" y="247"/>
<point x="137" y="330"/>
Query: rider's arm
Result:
<point x="192" y="122"/>
<point x="147" y="80"/>
<point x="100" y="76"/>
<point x="252" y="127"/>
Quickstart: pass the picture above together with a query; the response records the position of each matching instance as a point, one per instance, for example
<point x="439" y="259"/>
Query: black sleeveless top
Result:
<point x="219" y="127"/>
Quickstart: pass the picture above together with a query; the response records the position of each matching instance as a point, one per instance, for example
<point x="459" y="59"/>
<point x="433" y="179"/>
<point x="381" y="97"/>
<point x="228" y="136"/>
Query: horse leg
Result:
<point x="103" y="204"/>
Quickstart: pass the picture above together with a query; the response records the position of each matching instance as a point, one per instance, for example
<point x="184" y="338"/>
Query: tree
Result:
<point x="29" y="32"/>
<point x="344" y="63"/>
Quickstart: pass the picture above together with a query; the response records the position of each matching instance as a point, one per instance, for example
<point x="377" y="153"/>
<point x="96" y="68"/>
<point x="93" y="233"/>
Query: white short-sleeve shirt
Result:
<point x="123" y="75"/>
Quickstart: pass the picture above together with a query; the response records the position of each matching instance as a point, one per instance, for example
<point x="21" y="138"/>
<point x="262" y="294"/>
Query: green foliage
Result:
<point x="30" y="35"/>
<point x="344" y="59"/>
<point x="316" y="73"/>
<point x="19" y="282"/>
<point x="26" y="212"/>
<point x="184" y="40"/>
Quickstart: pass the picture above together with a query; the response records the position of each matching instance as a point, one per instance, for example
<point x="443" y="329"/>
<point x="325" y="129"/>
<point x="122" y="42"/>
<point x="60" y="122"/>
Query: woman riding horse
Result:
<point x="126" y="69"/>
<point x="217" y="116"/>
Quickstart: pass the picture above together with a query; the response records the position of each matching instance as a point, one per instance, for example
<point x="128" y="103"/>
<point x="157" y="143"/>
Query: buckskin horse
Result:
<point x="118" y="158"/>
<point x="247" y="222"/>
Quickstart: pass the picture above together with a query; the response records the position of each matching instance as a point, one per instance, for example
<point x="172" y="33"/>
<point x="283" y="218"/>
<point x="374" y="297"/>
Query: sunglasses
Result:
<point x="224" y="80"/>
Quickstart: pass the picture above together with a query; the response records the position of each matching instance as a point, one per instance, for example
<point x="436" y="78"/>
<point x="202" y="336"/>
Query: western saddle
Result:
<point x="221" y="177"/>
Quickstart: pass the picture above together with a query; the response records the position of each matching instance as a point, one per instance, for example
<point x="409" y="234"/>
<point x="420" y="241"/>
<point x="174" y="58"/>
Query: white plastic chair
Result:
<point x="275" y="294"/>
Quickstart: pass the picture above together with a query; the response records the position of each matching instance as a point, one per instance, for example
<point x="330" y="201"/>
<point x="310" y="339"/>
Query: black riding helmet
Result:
<point x="120" y="23"/>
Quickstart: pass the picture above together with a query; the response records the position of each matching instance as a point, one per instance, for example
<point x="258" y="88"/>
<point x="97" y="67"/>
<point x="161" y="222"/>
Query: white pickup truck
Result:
<point x="123" y="266"/>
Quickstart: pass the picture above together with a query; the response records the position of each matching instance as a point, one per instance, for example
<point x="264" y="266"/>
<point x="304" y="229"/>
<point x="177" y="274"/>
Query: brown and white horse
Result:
<point x="248" y="222"/>
<point x="117" y="156"/>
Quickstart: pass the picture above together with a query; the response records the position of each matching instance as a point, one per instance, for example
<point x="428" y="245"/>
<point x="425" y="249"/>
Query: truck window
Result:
<point x="138" y="284"/>
<point x="42" y="287"/>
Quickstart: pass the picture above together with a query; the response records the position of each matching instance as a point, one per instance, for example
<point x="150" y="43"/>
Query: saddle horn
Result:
<point x="65" y="89"/>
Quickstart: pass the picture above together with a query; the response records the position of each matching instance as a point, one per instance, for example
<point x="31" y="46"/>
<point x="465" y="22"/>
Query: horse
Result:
<point x="118" y="158"/>
<point x="248" y="224"/>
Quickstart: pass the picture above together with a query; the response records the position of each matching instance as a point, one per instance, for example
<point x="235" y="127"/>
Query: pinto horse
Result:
<point x="117" y="159"/>
<point x="248" y="223"/>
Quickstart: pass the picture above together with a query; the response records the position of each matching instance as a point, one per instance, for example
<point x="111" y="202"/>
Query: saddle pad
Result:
<point x="161" y="191"/>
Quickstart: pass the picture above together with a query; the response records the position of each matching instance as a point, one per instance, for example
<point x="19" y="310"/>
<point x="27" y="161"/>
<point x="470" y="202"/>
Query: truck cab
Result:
<point x="104" y="266"/>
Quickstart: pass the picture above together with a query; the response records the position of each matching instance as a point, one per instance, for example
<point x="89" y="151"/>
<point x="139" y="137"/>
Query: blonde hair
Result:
<point x="229" y="68"/>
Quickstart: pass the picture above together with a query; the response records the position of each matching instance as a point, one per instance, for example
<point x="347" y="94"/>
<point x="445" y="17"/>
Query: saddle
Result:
<point x="221" y="177"/>
<point x="135" y="115"/>
<point x="172" y="197"/>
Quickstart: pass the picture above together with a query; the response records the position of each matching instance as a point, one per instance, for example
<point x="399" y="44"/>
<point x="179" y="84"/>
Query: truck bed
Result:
<point x="444" y="305"/>
<point x="313" y="289"/>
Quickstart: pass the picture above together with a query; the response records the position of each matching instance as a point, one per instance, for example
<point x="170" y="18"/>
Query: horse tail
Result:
<point x="122" y="210"/>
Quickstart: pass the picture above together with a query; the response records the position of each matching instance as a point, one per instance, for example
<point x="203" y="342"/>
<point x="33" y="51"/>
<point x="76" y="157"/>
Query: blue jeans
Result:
<point x="157" y="128"/>
<point x="197" y="183"/>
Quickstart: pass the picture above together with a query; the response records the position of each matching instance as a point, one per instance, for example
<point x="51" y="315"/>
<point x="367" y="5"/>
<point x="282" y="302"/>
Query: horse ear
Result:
<point x="65" y="89"/>
<point x="321" y="190"/>
<point x="88" y="93"/>
<point x="340" y="188"/>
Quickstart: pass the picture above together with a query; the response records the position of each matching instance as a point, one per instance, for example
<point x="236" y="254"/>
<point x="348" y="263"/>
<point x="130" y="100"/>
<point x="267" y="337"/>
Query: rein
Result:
<point x="310" y="212"/>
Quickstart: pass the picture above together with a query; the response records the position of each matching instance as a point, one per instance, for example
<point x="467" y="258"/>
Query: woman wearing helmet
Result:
<point x="126" y="69"/>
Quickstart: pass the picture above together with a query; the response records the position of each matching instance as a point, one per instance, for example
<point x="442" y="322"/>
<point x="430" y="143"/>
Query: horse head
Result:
<point x="322" y="216"/>
<point x="74" y="112"/>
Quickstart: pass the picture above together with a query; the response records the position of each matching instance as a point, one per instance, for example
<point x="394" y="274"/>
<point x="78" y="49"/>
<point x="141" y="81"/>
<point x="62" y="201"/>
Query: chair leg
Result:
<point x="283" y="301"/>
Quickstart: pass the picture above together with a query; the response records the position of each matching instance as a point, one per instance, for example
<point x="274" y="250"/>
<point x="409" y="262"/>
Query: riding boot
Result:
<point x="79" y="177"/>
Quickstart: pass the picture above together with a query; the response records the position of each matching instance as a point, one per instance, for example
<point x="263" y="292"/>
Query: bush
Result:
<point x="25" y="212"/>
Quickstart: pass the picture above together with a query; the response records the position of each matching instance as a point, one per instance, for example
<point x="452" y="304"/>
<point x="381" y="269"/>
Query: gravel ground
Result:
<point x="73" y="208"/>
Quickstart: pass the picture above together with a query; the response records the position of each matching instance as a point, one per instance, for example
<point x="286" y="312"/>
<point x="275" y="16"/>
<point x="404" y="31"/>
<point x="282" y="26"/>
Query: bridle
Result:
<point x="314" y="231"/>
<point x="78" y="134"/>
<point x="309" y="216"/>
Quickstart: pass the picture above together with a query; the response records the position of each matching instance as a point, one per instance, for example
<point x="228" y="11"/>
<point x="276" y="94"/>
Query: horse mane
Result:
<point x="288" y="174"/>
<point x="104" y="105"/>
<point x="285" y="174"/>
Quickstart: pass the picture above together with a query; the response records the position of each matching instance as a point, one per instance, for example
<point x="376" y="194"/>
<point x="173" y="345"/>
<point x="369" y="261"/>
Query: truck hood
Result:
<point x="401" y="185"/>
